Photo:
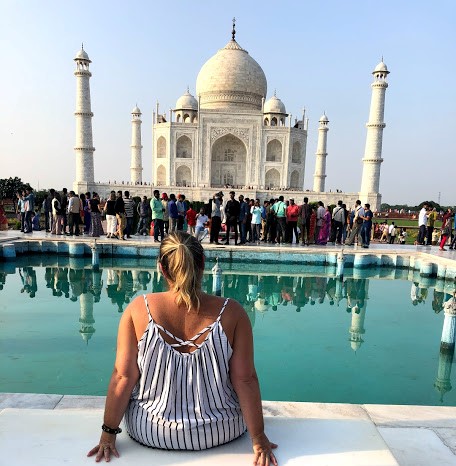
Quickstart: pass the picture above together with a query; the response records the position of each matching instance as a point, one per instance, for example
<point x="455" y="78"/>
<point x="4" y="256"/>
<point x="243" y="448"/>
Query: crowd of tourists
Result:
<point x="238" y="218"/>
<point x="429" y="235"/>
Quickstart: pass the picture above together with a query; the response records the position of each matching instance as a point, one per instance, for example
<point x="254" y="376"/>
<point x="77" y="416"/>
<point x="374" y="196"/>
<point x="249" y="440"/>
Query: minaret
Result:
<point x="86" y="317"/>
<point x="84" y="142"/>
<point x="136" y="147"/>
<point x="320" y="163"/>
<point x="373" y="152"/>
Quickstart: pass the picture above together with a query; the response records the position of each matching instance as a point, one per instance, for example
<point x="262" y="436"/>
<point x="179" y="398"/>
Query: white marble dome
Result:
<point x="324" y="118"/>
<point x="231" y="79"/>
<point x="136" y="111"/>
<point x="186" y="102"/>
<point x="82" y="55"/>
<point x="274" y="105"/>
<point x="381" y="67"/>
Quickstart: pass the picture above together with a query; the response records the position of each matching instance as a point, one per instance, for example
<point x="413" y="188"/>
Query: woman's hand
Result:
<point x="262" y="449"/>
<point x="104" y="449"/>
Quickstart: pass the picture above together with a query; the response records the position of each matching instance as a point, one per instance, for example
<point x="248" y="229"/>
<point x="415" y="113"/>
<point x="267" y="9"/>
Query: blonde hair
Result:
<point x="182" y="260"/>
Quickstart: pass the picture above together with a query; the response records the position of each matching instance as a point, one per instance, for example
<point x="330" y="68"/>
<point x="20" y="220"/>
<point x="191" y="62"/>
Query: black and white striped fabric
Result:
<point x="184" y="401"/>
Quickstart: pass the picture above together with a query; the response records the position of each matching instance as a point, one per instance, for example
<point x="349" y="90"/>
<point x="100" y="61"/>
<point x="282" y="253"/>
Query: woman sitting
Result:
<point x="184" y="376"/>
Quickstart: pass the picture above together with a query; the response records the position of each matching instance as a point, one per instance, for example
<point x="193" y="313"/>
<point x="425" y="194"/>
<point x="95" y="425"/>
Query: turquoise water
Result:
<point x="363" y="340"/>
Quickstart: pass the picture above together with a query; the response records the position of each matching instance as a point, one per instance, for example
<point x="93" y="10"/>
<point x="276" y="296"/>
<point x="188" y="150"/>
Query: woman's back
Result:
<point x="184" y="398"/>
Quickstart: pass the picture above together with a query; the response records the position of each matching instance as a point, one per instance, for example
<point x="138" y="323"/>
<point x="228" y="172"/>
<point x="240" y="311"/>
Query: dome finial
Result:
<point x="188" y="89"/>
<point x="82" y="45"/>
<point x="233" y="32"/>
<point x="275" y="93"/>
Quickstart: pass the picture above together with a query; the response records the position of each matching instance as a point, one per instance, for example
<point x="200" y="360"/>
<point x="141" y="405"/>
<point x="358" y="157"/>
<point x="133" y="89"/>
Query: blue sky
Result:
<point x="315" y="54"/>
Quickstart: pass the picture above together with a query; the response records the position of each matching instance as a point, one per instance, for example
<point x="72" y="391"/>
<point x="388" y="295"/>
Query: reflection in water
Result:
<point x="259" y="293"/>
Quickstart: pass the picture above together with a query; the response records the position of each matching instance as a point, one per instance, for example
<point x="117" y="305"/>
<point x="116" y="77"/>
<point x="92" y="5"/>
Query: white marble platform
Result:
<point x="43" y="437"/>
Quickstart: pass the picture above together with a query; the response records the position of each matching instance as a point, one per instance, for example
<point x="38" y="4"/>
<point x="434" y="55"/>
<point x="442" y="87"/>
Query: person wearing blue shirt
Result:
<point x="29" y="209"/>
<point x="367" y="225"/>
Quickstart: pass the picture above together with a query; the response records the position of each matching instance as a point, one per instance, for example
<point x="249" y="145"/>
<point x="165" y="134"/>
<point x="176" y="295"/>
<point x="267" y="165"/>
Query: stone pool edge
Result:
<point x="399" y="425"/>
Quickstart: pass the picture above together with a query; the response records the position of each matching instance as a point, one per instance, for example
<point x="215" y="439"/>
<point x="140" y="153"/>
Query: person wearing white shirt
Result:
<point x="422" y="222"/>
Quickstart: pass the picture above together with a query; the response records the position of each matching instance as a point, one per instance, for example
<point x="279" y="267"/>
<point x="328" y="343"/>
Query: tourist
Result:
<point x="338" y="217"/>
<point x="255" y="211"/>
<point x="129" y="214"/>
<point x="201" y="229"/>
<point x="111" y="219"/>
<point x="151" y="377"/>
<point x="264" y="208"/>
<point x="248" y="220"/>
<point x="36" y="219"/>
<point x="164" y="202"/>
<point x="157" y="215"/>
<point x="47" y="210"/>
<point x="304" y="216"/>
<point x="243" y="207"/>
<point x="367" y="226"/>
<point x="173" y="213"/>
<point x="119" y="208"/>
<point x="392" y="233"/>
<point x="313" y="224"/>
<point x="29" y="209"/>
<point x="320" y="216"/>
<point x="384" y="232"/>
<point x="422" y="223"/>
<point x="279" y="209"/>
<point x="144" y="212"/>
<point x="85" y="204"/>
<point x="57" y="215"/>
<point x="358" y="213"/>
<point x="346" y="223"/>
<point x="271" y="223"/>
<point x="292" y="214"/>
<point x="190" y="216"/>
<point x="232" y="211"/>
<point x="216" y="217"/>
<point x="64" y="204"/>
<point x="20" y="209"/>
<point x="181" y="210"/>
<point x="96" y="228"/>
<point x="446" y="228"/>
<point x="325" y="228"/>
<point x="403" y="236"/>
<point x="432" y="217"/>
<point x="74" y="214"/>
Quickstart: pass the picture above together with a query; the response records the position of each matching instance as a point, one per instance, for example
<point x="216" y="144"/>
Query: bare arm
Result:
<point x="123" y="379"/>
<point x="245" y="382"/>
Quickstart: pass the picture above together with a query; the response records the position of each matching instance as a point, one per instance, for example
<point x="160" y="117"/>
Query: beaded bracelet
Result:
<point x="109" y="430"/>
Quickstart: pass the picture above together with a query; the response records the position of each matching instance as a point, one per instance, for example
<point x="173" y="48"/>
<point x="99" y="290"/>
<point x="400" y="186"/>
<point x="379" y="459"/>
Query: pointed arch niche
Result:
<point x="183" y="176"/>
<point x="161" y="147"/>
<point x="294" y="180"/>
<point x="272" y="179"/>
<point x="184" y="147"/>
<point x="296" y="153"/>
<point x="274" y="151"/>
<point x="161" y="175"/>
<point x="228" y="161"/>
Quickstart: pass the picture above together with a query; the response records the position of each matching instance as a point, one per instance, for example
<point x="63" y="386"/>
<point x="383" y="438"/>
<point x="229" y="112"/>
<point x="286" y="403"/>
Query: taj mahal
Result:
<point x="229" y="135"/>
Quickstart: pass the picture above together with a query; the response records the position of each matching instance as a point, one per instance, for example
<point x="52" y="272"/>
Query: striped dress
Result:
<point x="184" y="401"/>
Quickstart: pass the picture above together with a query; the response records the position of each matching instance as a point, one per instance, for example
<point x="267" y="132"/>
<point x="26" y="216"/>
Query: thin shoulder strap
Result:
<point x="149" y="315"/>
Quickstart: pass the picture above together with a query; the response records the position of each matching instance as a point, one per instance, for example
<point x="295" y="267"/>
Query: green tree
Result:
<point x="10" y="186"/>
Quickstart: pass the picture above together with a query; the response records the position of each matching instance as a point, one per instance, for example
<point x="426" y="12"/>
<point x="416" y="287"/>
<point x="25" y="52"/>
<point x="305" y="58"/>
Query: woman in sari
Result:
<point x="313" y="224"/>
<point x="325" y="228"/>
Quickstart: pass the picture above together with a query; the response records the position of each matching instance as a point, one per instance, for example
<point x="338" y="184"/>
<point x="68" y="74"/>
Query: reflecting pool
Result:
<point x="377" y="336"/>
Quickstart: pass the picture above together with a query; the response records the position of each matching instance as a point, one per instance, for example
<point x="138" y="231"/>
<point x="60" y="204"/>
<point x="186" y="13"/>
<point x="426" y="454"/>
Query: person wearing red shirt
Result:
<point x="292" y="213"/>
<point x="191" y="219"/>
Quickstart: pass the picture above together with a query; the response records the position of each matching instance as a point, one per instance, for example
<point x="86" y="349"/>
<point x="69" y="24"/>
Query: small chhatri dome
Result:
<point x="231" y="79"/>
<point x="136" y="111"/>
<point x="186" y="102"/>
<point x="381" y="68"/>
<point x="274" y="105"/>
<point x="82" y="55"/>
<point x="324" y="118"/>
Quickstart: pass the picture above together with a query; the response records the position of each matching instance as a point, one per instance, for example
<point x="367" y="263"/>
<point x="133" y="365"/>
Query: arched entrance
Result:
<point x="294" y="180"/>
<point x="272" y="179"/>
<point x="228" y="162"/>
<point x="184" y="147"/>
<point x="183" y="176"/>
<point x="161" y="175"/>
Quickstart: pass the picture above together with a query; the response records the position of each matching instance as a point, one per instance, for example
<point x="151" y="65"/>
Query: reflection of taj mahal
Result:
<point x="230" y="135"/>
